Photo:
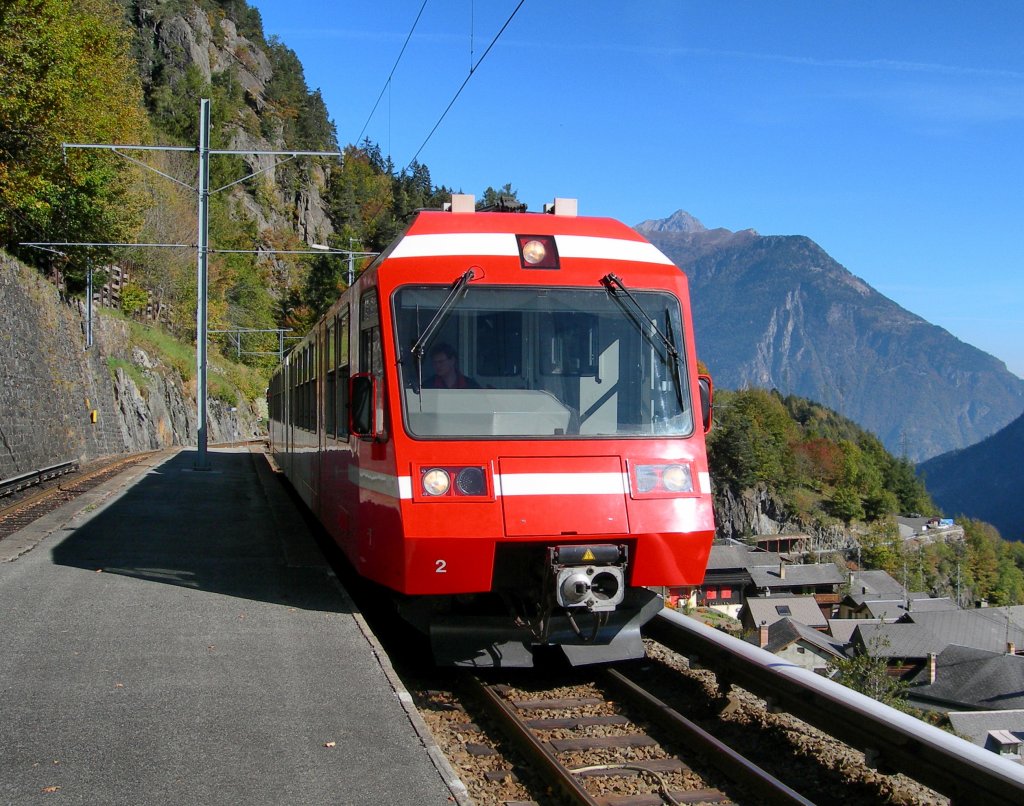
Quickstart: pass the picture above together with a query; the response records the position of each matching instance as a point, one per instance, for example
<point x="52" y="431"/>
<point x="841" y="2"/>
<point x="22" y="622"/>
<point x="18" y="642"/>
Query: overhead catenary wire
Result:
<point x="387" y="83"/>
<point x="472" y="72"/>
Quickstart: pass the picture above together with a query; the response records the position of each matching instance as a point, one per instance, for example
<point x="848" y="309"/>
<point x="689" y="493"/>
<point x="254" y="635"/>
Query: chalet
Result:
<point x="727" y="577"/>
<point x="820" y="581"/>
<point x="800" y="645"/>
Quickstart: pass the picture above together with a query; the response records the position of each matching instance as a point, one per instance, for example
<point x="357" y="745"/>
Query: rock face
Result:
<point x="752" y="512"/>
<point x="778" y="312"/>
<point x="50" y="385"/>
<point x="172" y="44"/>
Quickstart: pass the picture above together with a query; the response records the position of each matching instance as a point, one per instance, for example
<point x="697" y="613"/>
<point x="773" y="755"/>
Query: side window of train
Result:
<point x="370" y="355"/>
<point x="330" y="381"/>
<point x="343" y="372"/>
<point x="371" y="362"/>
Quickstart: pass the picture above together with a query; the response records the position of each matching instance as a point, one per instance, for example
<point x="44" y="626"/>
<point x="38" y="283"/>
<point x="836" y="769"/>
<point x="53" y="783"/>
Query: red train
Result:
<point x="501" y="421"/>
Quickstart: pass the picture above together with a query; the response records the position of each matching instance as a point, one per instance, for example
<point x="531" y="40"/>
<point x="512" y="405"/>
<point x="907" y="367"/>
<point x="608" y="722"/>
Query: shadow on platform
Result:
<point x="227" y="530"/>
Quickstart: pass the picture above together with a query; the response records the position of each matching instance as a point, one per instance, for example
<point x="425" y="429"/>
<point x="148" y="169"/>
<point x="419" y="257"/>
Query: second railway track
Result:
<point x="31" y="504"/>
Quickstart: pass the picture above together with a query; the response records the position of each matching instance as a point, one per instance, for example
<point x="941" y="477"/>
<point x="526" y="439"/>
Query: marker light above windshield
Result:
<point x="537" y="252"/>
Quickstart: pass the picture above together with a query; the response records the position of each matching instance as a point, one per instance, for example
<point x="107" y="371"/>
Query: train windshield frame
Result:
<point x="541" y="362"/>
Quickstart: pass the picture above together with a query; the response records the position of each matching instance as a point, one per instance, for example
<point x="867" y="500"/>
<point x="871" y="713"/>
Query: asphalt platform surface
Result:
<point x="175" y="636"/>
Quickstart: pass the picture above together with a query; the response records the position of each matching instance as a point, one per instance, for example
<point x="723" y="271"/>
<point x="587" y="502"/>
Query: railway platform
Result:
<point x="175" y="636"/>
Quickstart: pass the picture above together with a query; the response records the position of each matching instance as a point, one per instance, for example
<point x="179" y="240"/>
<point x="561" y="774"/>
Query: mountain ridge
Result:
<point x="777" y="311"/>
<point x="983" y="481"/>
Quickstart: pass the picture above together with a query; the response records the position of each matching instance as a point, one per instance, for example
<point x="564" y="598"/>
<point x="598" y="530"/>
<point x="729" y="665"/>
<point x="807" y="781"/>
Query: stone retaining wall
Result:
<point x="50" y="385"/>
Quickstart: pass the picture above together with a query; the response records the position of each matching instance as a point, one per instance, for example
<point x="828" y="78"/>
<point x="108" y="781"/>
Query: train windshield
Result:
<point x="541" y="362"/>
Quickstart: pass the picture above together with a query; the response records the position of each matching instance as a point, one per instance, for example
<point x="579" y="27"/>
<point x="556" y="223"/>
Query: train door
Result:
<point x="371" y="452"/>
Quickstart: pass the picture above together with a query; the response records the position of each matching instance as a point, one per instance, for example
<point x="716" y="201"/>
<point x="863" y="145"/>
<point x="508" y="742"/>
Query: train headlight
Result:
<point x="677" y="479"/>
<point x="537" y="251"/>
<point x="436" y="482"/>
<point x="661" y="479"/>
<point x="534" y="252"/>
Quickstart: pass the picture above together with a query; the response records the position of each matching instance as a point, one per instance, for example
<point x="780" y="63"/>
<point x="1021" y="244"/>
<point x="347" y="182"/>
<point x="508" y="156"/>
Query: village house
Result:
<point x="800" y="645"/>
<point x="822" y="581"/>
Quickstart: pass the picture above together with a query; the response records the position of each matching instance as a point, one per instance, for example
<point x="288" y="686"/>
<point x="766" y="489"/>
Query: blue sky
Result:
<point x="890" y="133"/>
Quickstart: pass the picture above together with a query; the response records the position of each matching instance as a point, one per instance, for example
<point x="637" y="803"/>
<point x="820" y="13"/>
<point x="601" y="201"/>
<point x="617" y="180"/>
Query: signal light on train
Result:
<point x="436" y="482"/>
<point x="471" y="481"/>
<point x="537" y="251"/>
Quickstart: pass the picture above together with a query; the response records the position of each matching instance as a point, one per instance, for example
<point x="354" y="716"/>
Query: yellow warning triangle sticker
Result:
<point x="588" y="555"/>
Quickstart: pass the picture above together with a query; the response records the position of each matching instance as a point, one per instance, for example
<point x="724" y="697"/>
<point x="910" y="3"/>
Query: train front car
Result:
<point x="548" y="434"/>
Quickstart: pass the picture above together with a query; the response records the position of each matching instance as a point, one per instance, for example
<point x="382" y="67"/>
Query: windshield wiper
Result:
<point x="457" y="292"/>
<point x="646" y="325"/>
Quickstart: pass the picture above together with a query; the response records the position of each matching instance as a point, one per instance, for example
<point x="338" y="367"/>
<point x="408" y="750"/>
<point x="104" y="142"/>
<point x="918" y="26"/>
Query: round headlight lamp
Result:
<point x="436" y="482"/>
<point x="534" y="252"/>
<point x="676" y="479"/>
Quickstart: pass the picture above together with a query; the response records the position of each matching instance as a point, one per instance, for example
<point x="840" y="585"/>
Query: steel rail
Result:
<point x="11" y="485"/>
<point x="728" y="761"/>
<point x="504" y="714"/>
<point x="891" y="739"/>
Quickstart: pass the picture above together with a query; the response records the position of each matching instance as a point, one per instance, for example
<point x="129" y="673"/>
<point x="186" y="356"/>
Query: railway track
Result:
<point x="620" y="745"/>
<point x="28" y="505"/>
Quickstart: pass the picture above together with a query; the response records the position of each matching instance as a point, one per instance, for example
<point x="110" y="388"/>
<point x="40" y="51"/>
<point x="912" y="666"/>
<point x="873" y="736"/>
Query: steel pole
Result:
<point x="202" y="461"/>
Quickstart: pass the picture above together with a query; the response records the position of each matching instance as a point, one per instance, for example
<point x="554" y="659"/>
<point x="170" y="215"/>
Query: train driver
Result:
<point x="446" y="370"/>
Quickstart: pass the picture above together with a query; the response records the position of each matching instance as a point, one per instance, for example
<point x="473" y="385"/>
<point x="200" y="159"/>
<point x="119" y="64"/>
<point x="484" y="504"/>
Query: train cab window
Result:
<point x="550" y="362"/>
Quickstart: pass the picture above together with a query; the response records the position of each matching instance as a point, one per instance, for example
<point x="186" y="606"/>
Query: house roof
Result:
<point x="976" y="725"/>
<point x="981" y="628"/>
<point x="841" y="629"/>
<point x="769" y="609"/>
<point x="788" y="630"/>
<point x="875" y="584"/>
<point x="729" y="557"/>
<point x="973" y="678"/>
<point x="929" y="604"/>
<point x="897" y="640"/>
<point x="796" y="576"/>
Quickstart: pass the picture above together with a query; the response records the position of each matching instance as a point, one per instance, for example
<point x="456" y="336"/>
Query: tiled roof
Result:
<point x="974" y="678"/>
<point x="770" y="609"/>
<point x="981" y="628"/>
<point x="785" y="631"/>
<point x="841" y="629"/>
<point x="975" y="725"/>
<point x="797" y="575"/>
<point x="875" y="583"/>
<point x="897" y="640"/>
<point x="724" y="557"/>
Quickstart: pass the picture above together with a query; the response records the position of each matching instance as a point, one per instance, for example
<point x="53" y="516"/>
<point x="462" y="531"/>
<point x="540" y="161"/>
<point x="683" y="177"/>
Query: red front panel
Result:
<point x="571" y="495"/>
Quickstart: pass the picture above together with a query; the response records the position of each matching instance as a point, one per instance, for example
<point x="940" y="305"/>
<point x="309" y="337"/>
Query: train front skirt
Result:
<point x="496" y="641"/>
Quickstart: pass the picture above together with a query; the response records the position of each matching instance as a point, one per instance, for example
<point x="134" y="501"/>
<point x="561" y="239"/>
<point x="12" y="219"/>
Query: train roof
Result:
<point x="465" y="232"/>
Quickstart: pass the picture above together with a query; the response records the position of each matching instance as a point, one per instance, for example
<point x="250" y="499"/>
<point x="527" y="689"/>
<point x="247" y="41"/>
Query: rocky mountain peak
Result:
<point x="679" y="221"/>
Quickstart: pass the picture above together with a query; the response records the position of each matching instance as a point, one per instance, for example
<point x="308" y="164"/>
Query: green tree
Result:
<point x="868" y="673"/>
<point x="133" y="298"/>
<point x="67" y="76"/>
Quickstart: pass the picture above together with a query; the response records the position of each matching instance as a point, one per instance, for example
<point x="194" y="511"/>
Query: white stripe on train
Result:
<point x="503" y="244"/>
<point x="515" y="483"/>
